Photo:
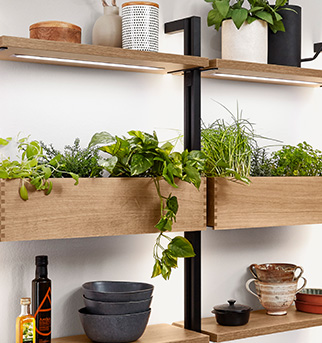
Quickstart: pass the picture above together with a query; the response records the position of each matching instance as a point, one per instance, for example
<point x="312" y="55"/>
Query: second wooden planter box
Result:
<point x="96" y="207"/>
<point x="266" y="202"/>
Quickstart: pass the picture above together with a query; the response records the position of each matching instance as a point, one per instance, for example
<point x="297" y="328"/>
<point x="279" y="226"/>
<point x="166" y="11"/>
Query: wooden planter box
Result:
<point x="266" y="202"/>
<point x="96" y="207"/>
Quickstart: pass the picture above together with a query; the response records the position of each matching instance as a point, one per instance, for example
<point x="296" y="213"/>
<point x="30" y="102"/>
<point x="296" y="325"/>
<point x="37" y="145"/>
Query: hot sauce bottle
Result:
<point x="41" y="301"/>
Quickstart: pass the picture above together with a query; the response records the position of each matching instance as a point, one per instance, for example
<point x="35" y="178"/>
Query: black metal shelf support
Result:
<point x="192" y="141"/>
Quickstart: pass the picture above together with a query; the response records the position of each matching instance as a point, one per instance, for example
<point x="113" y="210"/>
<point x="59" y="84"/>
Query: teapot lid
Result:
<point x="232" y="307"/>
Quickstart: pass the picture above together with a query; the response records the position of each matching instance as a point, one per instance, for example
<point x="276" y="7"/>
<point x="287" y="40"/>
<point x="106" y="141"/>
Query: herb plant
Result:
<point x="228" y="147"/>
<point x="258" y="10"/>
<point x="261" y="164"/>
<point x="140" y="155"/>
<point x="74" y="159"/>
<point x="29" y="167"/>
<point x="300" y="160"/>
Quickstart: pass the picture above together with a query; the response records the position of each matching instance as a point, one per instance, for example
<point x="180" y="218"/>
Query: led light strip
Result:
<point x="102" y="64"/>
<point x="258" y="78"/>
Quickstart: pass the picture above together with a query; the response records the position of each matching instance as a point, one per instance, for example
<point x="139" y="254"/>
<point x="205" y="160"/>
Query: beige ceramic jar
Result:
<point x="107" y="29"/>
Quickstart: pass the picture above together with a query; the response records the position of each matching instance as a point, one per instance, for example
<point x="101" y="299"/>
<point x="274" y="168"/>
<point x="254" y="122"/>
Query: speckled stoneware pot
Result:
<point x="276" y="298"/>
<point x="276" y="272"/>
<point x="124" y="307"/>
<point x="122" y="328"/>
<point x="116" y="291"/>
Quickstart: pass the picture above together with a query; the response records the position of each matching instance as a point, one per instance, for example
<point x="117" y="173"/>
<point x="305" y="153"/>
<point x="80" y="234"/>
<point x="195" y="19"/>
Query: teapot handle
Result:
<point x="252" y="270"/>
<point x="248" y="288"/>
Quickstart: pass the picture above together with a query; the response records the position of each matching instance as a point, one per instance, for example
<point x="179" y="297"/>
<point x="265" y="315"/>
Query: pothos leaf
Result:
<point x="23" y="192"/>
<point x="181" y="247"/>
<point x="156" y="269"/>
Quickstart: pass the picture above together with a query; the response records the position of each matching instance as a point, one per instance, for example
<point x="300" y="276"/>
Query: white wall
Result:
<point x="57" y="104"/>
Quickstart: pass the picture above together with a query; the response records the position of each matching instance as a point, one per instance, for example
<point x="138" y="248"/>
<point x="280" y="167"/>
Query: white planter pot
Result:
<point x="249" y="43"/>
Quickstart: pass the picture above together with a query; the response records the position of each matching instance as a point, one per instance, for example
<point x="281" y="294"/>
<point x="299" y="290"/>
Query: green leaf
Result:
<point x="33" y="149"/>
<point x="214" y="18"/>
<point x="278" y="26"/>
<point x="169" y="259"/>
<point x="239" y="16"/>
<point x="75" y="177"/>
<point x="101" y="138"/>
<point x="251" y="19"/>
<point x="23" y="192"/>
<point x="156" y="269"/>
<point x="109" y="164"/>
<point x="4" y="141"/>
<point x="181" y="247"/>
<point x="222" y="7"/>
<point x="192" y="175"/>
<point x="164" y="224"/>
<point x="172" y="204"/>
<point x="49" y="189"/>
<point x="165" y="271"/>
<point x="4" y="174"/>
<point x="55" y="161"/>
<point x="140" y="164"/>
<point x="265" y="16"/>
<point x="47" y="171"/>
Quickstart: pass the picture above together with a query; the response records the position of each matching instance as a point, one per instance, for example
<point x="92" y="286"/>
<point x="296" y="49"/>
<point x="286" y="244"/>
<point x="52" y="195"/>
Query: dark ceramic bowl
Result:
<point x="117" y="329"/>
<point x="124" y="307"/>
<point x="116" y="291"/>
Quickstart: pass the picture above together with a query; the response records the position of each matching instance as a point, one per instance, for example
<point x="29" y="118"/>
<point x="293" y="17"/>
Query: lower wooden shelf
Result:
<point x="160" y="333"/>
<point x="259" y="324"/>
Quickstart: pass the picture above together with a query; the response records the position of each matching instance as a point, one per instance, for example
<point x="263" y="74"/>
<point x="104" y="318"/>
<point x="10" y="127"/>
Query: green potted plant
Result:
<point x="141" y="156"/>
<point x="244" y="29"/>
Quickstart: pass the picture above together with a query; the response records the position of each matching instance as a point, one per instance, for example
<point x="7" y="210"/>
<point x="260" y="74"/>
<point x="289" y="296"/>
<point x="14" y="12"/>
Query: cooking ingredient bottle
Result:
<point x="41" y="301"/>
<point x="25" y="324"/>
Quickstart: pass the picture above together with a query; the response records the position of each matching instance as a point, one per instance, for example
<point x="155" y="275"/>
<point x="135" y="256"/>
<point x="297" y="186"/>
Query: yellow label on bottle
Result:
<point x="27" y="331"/>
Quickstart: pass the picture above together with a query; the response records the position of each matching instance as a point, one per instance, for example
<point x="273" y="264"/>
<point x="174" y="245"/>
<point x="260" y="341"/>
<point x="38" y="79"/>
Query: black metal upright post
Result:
<point x="192" y="104"/>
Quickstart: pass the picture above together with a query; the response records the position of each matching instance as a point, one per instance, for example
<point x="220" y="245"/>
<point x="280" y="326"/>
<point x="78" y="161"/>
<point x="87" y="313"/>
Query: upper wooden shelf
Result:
<point x="263" y="73"/>
<point x="161" y="333"/>
<point x="259" y="324"/>
<point x="84" y="55"/>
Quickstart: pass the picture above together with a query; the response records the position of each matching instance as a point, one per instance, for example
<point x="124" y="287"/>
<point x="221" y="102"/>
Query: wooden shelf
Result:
<point x="263" y="73"/>
<point x="259" y="324"/>
<point x="164" y="63"/>
<point x="161" y="333"/>
<point x="265" y="202"/>
<point x="96" y="207"/>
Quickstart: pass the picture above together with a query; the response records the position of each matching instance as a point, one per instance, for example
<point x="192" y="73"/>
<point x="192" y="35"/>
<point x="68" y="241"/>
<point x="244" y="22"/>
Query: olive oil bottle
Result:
<point x="25" y="324"/>
<point x="41" y="301"/>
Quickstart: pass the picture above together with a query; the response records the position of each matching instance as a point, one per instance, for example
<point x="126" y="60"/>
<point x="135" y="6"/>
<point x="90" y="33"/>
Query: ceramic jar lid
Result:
<point x="232" y="307"/>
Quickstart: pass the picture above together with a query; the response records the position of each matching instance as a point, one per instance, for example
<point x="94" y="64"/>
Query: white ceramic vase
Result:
<point x="107" y="29"/>
<point x="249" y="43"/>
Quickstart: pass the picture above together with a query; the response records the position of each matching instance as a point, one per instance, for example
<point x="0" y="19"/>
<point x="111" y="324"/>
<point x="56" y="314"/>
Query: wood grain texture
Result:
<point x="96" y="207"/>
<point x="266" y="202"/>
<point x="275" y="72"/>
<point x="259" y="324"/>
<point x="160" y="333"/>
<point x="96" y="53"/>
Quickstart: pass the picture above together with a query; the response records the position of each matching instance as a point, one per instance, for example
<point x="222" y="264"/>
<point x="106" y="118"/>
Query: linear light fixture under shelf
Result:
<point x="262" y="73"/>
<point x="84" y="62"/>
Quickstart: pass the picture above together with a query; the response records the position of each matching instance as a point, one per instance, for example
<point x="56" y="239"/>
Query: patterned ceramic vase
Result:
<point x="140" y="26"/>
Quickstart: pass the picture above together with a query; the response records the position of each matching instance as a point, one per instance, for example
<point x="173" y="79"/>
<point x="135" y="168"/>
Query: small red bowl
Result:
<point x="310" y="295"/>
<point x="308" y="307"/>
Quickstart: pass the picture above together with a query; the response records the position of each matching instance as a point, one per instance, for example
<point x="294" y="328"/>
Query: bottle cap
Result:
<point x="41" y="260"/>
<point x="25" y="301"/>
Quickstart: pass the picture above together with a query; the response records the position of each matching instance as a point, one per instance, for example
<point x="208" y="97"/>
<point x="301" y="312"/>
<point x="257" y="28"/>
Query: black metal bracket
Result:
<point x="317" y="50"/>
<point x="3" y="48"/>
<point x="192" y="141"/>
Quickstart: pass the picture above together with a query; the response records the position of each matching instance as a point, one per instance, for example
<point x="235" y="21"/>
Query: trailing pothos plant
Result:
<point x="140" y="155"/>
<point x="29" y="167"/>
<point x="257" y="10"/>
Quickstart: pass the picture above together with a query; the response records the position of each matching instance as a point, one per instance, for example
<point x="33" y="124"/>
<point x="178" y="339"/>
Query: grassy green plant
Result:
<point x="229" y="147"/>
<point x="74" y="159"/>
<point x="30" y="168"/>
<point x="261" y="164"/>
<point x="258" y="10"/>
<point x="140" y="155"/>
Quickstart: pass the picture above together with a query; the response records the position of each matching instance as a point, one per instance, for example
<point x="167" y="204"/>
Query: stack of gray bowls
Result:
<point x="115" y="311"/>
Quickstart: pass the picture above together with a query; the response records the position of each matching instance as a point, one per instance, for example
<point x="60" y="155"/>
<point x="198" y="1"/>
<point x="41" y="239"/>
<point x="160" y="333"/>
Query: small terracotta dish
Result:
<point x="310" y="295"/>
<point x="308" y="307"/>
<point x="57" y="31"/>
